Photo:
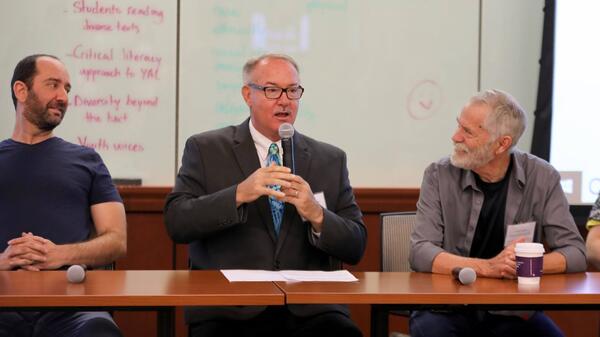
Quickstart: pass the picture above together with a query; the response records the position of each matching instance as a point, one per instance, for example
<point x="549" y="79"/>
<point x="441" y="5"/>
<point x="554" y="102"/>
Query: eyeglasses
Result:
<point x="272" y="92"/>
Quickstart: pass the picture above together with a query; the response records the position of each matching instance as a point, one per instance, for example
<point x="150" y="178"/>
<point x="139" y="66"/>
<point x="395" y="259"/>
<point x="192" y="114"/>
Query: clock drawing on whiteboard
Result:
<point x="424" y="100"/>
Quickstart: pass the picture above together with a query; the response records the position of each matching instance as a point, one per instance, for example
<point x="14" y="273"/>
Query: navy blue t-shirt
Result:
<point x="47" y="189"/>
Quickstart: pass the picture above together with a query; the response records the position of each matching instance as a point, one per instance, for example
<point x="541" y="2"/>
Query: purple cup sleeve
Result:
<point x="529" y="266"/>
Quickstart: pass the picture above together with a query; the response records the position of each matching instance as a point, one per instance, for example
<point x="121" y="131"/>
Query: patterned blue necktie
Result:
<point x="276" y="205"/>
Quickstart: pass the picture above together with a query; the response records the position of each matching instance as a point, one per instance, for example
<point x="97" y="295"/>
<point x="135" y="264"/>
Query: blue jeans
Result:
<point x="51" y="324"/>
<point x="467" y="323"/>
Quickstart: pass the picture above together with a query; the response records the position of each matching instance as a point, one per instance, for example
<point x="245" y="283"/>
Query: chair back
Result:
<point x="396" y="228"/>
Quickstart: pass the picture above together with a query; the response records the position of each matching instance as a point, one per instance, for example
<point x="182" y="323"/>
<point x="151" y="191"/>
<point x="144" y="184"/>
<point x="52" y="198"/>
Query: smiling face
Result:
<point x="268" y="114"/>
<point x="45" y="102"/>
<point x="474" y="146"/>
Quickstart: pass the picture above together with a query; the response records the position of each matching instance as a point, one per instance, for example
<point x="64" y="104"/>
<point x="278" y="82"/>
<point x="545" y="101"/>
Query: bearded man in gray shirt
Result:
<point x="467" y="202"/>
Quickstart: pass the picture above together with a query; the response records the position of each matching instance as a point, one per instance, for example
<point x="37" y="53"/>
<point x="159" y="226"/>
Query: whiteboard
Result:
<point x="384" y="80"/>
<point x="121" y="59"/>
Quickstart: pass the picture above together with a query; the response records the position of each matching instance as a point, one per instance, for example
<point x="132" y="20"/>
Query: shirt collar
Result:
<point x="262" y="142"/>
<point x="518" y="170"/>
<point x="468" y="176"/>
<point x="260" y="139"/>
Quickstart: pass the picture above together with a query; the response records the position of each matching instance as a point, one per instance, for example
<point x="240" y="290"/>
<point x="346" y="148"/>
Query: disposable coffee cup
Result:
<point x="530" y="262"/>
<point x="528" y="288"/>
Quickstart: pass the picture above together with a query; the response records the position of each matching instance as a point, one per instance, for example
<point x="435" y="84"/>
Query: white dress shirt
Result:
<point x="262" y="145"/>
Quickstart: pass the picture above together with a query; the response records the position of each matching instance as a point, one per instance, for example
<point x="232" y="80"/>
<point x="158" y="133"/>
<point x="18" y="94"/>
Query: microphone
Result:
<point x="464" y="275"/>
<point x="286" y="132"/>
<point x="76" y="273"/>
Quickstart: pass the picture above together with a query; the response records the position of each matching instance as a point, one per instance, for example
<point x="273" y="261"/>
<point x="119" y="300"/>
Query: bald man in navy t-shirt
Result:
<point x="58" y="204"/>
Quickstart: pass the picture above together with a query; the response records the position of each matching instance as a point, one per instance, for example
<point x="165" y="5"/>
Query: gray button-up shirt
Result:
<point x="450" y="202"/>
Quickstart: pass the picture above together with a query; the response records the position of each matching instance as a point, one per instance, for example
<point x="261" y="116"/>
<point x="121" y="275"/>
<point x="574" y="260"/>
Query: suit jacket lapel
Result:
<point x="290" y="215"/>
<point x="301" y="155"/>
<point x="246" y="157"/>
<point x="244" y="149"/>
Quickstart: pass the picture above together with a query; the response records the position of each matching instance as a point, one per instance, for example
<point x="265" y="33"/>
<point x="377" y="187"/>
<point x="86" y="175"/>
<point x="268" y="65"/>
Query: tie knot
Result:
<point x="274" y="149"/>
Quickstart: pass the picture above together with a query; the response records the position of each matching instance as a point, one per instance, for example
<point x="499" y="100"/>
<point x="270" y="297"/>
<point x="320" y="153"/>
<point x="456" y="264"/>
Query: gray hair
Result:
<point x="251" y="64"/>
<point x="506" y="118"/>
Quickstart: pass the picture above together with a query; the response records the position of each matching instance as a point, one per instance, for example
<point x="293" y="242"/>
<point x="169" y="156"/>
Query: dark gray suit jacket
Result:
<point x="202" y="211"/>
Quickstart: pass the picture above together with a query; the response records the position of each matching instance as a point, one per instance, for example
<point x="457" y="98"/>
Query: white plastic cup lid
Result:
<point x="529" y="248"/>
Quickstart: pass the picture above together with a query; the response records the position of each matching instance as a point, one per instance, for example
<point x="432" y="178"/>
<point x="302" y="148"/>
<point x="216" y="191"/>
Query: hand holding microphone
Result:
<point x="306" y="205"/>
<point x="464" y="275"/>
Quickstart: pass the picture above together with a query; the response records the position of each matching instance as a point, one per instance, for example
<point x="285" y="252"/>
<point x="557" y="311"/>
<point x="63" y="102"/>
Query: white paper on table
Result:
<point x="522" y="230"/>
<point x="251" y="275"/>
<point x="319" y="276"/>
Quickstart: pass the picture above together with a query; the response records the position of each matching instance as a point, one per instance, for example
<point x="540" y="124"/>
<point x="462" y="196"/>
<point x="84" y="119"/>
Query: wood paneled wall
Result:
<point x="149" y="247"/>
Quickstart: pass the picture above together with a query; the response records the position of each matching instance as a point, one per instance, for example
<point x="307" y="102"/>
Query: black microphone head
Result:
<point x="467" y="275"/>
<point x="75" y="274"/>
<point x="286" y="130"/>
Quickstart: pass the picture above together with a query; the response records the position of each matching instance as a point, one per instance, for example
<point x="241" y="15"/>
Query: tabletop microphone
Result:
<point x="464" y="275"/>
<point x="286" y="132"/>
<point x="76" y="273"/>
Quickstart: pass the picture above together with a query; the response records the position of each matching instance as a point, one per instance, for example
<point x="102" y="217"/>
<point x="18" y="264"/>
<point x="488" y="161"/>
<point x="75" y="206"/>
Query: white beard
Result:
<point x="471" y="159"/>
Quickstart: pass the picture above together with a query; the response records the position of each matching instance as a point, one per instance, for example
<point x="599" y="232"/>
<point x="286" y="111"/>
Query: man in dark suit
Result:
<point x="227" y="203"/>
